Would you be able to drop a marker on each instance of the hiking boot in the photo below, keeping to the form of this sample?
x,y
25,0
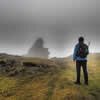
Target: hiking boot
x,y
86,83
78,83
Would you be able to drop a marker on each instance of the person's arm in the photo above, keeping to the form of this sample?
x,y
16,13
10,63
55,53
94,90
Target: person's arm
x,y
74,54
88,50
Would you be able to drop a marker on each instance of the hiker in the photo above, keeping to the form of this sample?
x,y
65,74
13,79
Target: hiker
x,y
80,57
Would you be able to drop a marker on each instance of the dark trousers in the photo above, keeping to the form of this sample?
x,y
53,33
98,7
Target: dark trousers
x,y
82,64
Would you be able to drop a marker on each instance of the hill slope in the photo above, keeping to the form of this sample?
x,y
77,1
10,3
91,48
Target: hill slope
x,y
55,83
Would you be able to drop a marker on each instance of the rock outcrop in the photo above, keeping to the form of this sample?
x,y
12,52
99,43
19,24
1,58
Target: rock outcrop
x,y
38,49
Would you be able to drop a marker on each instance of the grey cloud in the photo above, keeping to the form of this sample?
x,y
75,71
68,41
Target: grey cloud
x,y
59,22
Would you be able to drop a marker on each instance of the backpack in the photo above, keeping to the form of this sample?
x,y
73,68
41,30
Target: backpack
x,y
82,51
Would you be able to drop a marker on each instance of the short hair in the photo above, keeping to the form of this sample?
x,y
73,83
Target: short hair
x,y
81,39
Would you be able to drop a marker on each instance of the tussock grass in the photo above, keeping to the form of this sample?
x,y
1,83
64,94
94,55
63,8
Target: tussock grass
x,y
57,84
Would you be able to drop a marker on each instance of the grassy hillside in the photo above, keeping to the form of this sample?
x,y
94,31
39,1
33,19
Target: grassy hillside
x,y
53,81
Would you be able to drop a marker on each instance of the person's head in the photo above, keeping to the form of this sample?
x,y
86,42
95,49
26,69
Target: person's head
x,y
81,39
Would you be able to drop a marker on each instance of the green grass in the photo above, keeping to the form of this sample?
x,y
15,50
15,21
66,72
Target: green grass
x,y
57,85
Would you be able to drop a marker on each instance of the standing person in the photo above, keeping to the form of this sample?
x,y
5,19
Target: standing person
x,y
80,57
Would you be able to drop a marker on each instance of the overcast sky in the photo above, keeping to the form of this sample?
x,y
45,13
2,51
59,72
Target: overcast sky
x,y
58,22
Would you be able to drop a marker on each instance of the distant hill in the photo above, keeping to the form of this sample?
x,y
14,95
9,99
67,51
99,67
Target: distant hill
x,y
92,56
